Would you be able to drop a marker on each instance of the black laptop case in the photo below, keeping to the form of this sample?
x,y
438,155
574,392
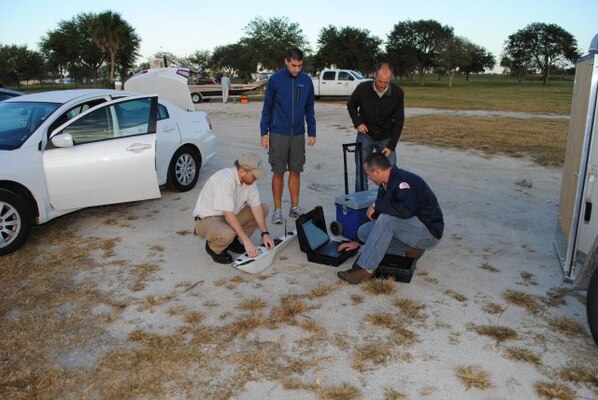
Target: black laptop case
x,y
314,240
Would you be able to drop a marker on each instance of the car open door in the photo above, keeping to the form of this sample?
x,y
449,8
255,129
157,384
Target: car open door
x,y
105,155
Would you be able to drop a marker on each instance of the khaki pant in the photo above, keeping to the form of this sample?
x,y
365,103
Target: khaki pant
x,y
218,232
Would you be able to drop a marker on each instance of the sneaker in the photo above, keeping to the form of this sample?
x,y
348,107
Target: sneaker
x,y
236,246
222,258
277,216
356,275
295,212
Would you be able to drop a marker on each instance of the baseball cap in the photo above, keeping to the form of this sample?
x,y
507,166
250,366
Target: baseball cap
x,y
254,163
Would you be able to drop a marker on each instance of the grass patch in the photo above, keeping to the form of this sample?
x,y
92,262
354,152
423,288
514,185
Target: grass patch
x,y
473,377
455,295
356,299
391,394
498,333
567,326
372,355
322,290
493,308
554,391
520,299
252,305
402,335
244,324
290,306
411,309
523,354
542,140
344,391
580,374
380,286
488,267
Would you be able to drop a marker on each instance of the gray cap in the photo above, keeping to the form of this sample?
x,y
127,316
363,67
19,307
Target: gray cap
x,y
254,163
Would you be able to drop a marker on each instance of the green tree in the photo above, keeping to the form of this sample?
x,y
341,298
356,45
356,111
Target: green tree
x,y
269,40
61,49
17,63
452,53
111,33
234,59
200,59
541,47
347,47
127,55
420,40
478,60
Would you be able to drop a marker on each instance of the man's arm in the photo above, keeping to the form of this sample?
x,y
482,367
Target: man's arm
x,y
353,106
267,109
310,113
398,116
258,214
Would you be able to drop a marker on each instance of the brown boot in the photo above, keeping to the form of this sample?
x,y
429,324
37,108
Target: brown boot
x,y
356,275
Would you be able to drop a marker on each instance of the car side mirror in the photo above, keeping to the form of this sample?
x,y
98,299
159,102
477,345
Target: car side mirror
x,y
63,140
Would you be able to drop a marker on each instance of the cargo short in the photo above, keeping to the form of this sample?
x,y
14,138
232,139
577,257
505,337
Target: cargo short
x,y
286,153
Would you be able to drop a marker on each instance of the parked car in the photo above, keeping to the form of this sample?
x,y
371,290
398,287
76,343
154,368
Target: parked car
x,y
65,150
7,93
337,82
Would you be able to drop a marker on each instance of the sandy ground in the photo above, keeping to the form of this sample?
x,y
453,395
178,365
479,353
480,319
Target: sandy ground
x,y
500,217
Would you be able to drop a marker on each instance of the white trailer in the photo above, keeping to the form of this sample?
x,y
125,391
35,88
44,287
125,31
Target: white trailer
x,y
576,237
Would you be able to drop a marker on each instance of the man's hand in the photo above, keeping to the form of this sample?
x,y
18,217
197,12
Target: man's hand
x,y
387,152
268,242
348,246
362,128
311,140
250,248
265,141
370,212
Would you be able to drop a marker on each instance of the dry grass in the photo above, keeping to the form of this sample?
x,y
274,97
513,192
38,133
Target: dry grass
x,y
343,391
524,355
290,306
253,305
488,267
391,394
542,140
580,374
567,326
402,335
411,309
380,286
370,355
244,324
493,308
455,295
498,333
356,299
473,377
322,290
554,391
520,299
528,278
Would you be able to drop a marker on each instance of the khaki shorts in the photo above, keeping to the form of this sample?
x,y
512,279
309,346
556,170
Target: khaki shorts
x,y
286,153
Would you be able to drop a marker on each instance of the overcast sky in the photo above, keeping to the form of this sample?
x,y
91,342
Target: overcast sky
x,y
182,27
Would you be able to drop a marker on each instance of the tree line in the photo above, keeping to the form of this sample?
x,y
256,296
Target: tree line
x,y
91,46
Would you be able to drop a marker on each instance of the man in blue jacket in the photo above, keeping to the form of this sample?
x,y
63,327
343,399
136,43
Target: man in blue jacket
x,y
405,219
288,105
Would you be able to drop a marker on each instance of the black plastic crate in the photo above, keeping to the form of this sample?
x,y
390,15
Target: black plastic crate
x,y
399,268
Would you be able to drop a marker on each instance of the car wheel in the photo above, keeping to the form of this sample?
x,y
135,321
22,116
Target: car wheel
x,y
184,169
15,221
592,296
196,97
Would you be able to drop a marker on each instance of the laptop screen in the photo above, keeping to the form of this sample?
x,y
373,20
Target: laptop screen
x,y
316,237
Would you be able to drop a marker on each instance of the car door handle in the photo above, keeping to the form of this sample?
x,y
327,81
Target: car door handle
x,y
169,129
138,147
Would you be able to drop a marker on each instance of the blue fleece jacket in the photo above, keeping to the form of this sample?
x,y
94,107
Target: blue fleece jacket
x,y
288,104
407,195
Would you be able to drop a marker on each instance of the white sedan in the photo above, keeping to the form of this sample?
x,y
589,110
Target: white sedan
x,y
64,150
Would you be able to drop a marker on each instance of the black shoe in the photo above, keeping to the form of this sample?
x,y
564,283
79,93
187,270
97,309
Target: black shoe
x,y
222,258
236,246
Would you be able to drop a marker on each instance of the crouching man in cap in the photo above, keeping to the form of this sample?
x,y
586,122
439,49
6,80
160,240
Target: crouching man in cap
x,y
229,210
405,220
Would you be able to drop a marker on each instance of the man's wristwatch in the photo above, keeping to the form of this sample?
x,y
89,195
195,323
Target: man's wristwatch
x,y
264,233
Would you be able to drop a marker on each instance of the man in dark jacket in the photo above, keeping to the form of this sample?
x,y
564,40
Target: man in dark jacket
x,y
288,105
378,113
405,219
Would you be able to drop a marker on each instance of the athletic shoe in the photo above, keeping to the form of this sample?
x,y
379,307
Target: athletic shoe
x,y
295,212
277,216
236,246
356,275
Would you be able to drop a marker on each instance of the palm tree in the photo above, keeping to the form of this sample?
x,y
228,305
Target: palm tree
x,y
110,32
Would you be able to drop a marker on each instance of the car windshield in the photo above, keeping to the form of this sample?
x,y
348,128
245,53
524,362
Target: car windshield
x,y
18,120
357,74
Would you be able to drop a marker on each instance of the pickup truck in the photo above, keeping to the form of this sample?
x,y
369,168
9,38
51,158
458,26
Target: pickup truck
x,y
576,236
337,82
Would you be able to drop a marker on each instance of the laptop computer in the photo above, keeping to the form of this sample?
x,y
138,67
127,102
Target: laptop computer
x,y
314,240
